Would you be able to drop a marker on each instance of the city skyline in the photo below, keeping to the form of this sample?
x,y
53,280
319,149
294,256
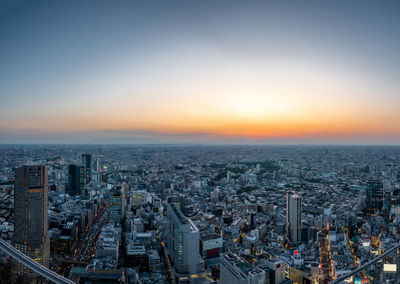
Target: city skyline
x,y
213,214
200,72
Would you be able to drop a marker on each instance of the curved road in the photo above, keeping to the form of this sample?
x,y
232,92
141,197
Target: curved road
x,y
361,268
33,265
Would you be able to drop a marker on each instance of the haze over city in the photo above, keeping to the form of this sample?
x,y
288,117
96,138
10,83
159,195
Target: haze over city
x,y
198,142
213,72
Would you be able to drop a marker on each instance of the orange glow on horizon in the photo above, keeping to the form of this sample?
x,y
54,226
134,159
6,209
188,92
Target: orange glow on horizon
x,y
288,128
244,108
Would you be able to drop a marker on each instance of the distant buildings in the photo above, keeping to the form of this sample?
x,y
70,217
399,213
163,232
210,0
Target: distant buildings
x,y
374,200
293,217
183,241
76,180
31,222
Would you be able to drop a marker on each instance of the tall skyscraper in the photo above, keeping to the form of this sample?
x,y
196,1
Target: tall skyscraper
x,y
30,205
87,164
293,216
117,197
183,239
374,200
76,180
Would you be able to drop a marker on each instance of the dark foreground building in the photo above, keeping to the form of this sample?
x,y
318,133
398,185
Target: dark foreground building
x,y
374,200
31,235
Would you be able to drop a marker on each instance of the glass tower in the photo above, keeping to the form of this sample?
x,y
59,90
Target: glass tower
x,y
374,200
76,179
87,164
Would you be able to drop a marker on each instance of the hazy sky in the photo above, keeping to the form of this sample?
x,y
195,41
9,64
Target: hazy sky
x,y
200,71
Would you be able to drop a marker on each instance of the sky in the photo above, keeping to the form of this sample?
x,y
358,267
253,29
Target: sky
x,y
212,72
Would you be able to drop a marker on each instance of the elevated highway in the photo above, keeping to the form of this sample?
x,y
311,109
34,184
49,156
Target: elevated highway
x,y
341,279
33,265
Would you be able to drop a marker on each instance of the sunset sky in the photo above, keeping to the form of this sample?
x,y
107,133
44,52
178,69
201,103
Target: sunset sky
x,y
263,72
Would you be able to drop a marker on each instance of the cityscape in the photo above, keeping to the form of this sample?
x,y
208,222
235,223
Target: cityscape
x,y
201,214
194,142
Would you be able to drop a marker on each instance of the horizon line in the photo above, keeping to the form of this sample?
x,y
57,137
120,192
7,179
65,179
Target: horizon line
x,y
199,144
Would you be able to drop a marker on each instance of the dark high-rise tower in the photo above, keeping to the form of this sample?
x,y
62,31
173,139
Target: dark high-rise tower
x,y
30,206
87,164
374,200
117,197
76,179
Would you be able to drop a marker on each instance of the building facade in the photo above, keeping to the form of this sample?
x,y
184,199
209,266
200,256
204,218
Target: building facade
x,y
235,270
117,198
76,180
183,239
374,194
293,217
31,223
87,164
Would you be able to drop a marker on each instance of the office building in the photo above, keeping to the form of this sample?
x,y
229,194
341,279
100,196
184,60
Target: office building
x,y
276,271
211,245
293,217
235,270
31,223
87,164
374,200
136,256
183,239
117,198
138,197
76,180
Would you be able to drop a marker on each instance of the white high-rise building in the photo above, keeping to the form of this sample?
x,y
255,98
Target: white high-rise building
x,y
293,217
183,239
